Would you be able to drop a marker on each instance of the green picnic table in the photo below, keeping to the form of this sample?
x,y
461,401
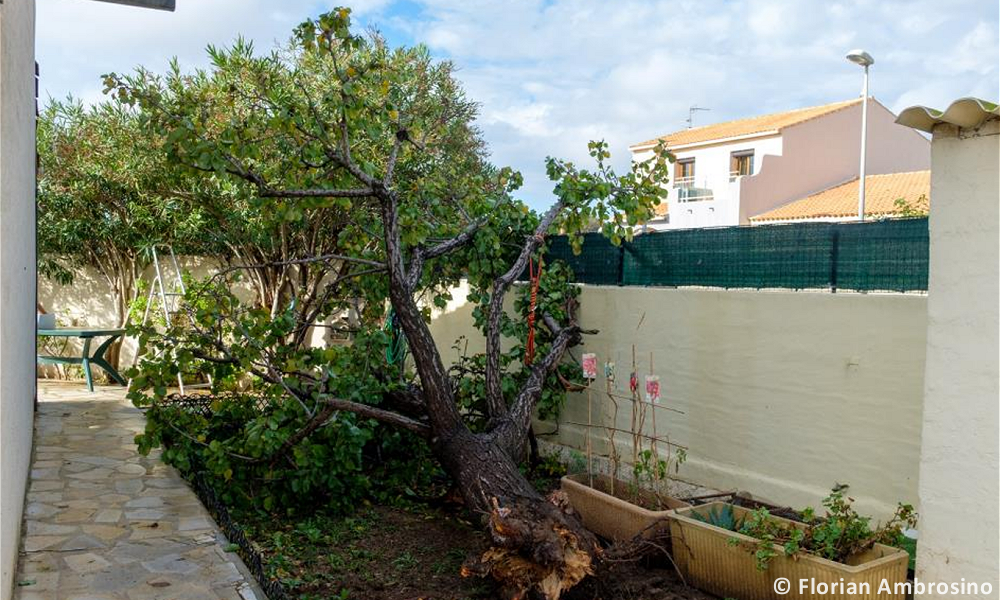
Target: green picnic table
x,y
86,359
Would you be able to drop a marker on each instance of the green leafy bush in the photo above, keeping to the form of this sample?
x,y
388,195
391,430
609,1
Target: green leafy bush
x,y
238,441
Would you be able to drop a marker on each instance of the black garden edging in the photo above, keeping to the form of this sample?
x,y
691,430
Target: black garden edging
x,y
252,558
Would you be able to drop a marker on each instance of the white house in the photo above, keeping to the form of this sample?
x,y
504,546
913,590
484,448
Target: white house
x,y
728,172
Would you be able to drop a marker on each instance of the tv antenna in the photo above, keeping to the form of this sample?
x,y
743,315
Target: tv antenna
x,y
691,111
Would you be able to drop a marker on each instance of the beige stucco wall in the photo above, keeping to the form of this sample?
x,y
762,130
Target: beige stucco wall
x,y
17,270
959,469
783,393
89,302
824,152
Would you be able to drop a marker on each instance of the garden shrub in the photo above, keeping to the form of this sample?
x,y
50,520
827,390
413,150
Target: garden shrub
x,y
236,438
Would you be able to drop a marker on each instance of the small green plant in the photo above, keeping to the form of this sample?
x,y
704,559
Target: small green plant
x,y
404,561
836,536
653,470
918,208
577,462
724,517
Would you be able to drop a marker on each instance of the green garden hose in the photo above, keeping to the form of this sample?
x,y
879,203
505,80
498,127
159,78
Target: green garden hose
x,y
397,350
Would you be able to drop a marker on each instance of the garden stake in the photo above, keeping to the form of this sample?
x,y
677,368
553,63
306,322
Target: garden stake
x,y
590,455
656,454
609,377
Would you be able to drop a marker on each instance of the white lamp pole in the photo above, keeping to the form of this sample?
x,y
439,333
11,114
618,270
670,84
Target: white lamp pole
x,y
860,57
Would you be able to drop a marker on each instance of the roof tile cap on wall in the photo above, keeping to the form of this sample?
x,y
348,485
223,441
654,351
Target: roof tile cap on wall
x,y
964,112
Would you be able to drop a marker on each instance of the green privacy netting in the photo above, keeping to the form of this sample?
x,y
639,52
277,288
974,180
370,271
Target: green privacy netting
x,y
889,255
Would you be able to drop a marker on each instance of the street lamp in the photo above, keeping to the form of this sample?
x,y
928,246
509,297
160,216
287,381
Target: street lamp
x,y
860,57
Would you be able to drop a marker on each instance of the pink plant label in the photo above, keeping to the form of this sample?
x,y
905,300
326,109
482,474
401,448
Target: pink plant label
x,y
590,366
652,388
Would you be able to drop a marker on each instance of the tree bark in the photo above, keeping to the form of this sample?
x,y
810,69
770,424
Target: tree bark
x,y
536,546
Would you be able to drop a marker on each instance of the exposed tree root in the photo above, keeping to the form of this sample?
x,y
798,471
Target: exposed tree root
x,y
536,548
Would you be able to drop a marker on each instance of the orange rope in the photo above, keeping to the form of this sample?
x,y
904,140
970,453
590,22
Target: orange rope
x,y
535,276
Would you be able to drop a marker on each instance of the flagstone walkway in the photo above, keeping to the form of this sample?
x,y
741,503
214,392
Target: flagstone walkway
x,y
104,523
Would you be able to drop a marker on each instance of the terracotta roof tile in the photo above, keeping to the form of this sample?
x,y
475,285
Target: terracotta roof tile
x,y
749,126
881,193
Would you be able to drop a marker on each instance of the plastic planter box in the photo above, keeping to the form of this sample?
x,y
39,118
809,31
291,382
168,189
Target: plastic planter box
x,y
709,562
612,517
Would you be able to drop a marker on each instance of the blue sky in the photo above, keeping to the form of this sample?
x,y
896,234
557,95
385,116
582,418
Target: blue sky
x,y
551,75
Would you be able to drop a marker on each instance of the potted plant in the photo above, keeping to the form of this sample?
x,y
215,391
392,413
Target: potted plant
x,y
731,551
620,510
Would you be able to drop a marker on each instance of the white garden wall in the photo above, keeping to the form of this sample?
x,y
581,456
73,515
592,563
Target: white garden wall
x,y
784,393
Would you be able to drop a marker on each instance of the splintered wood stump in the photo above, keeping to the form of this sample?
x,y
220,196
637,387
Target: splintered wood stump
x,y
535,544
535,547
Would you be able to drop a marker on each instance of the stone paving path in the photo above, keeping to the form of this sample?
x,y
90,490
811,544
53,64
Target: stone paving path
x,y
104,523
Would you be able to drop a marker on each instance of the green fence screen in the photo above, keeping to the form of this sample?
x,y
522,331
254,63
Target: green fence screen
x,y
889,255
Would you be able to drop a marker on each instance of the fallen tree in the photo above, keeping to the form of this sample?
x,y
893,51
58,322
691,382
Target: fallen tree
x,y
388,136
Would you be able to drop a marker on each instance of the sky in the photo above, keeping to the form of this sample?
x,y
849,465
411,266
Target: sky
x,y
550,75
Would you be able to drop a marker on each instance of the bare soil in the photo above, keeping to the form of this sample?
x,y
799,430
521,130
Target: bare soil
x,y
383,553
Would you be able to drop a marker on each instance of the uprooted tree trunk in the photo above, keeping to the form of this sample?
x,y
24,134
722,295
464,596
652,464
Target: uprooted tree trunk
x,y
536,545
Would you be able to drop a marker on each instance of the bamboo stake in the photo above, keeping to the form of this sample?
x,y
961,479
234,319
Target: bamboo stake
x,y
590,455
612,449
635,409
656,453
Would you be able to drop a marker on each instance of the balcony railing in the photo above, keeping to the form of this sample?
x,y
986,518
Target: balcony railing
x,y
686,191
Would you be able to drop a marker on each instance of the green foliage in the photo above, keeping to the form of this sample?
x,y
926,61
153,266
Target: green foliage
x,y
105,195
305,143
235,439
654,469
918,208
724,517
838,535
556,296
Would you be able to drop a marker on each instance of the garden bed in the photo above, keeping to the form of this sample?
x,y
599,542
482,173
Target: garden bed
x,y
385,553
723,562
379,553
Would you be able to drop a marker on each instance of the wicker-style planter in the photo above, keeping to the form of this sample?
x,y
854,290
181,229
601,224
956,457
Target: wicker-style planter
x,y
708,561
611,516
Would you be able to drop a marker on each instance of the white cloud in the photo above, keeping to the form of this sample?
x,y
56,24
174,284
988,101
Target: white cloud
x,y
553,74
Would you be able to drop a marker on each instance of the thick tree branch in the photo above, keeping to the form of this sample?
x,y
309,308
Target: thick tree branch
x,y
494,393
441,408
420,255
384,416
512,429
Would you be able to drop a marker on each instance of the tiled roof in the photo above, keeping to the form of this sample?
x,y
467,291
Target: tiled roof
x,y
749,126
881,193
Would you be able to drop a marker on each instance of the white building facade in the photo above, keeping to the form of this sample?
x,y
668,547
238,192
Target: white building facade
x,y
728,172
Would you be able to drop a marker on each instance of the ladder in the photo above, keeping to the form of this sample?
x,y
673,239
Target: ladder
x,y
169,302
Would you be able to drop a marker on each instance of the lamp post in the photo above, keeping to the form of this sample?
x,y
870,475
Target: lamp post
x,y
860,57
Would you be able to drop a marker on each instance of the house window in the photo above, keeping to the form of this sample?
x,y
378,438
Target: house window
x,y
740,163
684,171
